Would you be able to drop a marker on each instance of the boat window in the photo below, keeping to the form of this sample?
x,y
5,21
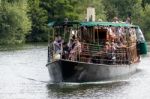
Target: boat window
x,y
100,35
93,35
140,36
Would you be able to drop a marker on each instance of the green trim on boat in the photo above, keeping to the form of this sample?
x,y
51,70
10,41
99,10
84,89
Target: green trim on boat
x,y
106,24
89,24
142,48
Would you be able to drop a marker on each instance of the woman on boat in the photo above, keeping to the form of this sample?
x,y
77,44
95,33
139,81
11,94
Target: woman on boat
x,y
75,51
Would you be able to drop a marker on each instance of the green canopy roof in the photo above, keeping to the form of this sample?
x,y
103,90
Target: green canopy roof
x,y
106,24
89,24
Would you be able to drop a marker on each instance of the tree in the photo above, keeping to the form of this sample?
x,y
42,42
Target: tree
x,y
39,18
123,9
145,22
14,22
59,9
145,2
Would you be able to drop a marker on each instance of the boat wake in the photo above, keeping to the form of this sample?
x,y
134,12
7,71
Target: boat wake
x,y
67,84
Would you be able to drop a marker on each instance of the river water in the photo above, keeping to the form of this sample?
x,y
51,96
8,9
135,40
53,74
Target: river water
x,y
23,75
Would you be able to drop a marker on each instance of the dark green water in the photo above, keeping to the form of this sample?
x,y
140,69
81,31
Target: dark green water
x,y
23,75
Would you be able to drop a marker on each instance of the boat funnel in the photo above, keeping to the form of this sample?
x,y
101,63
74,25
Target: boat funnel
x,y
90,14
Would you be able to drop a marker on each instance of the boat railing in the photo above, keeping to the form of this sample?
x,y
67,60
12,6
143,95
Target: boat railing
x,y
94,53
50,52
100,57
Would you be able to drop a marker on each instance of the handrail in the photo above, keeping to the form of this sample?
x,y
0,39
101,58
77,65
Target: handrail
x,y
93,53
50,52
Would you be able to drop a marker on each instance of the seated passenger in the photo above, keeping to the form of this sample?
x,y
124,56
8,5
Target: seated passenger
x,y
101,56
110,52
107,54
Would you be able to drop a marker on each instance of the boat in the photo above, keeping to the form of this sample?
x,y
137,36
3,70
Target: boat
x,y
93,50
104,50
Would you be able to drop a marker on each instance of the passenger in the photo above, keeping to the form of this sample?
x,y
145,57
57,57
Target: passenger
x,y
60,40
107,47
111,34
120,31
102,55
123,41
65,53
116,20
128,20
105,52
111,53
85,46
57,45
76,50
70,44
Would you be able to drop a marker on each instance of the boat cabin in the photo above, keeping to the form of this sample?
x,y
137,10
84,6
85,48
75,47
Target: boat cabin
x,y
94,42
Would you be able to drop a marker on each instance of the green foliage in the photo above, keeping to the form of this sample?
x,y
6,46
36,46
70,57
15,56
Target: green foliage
x,y
39,18
110,8
60,9
145,22
14,23
145,2
131,8
122,9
